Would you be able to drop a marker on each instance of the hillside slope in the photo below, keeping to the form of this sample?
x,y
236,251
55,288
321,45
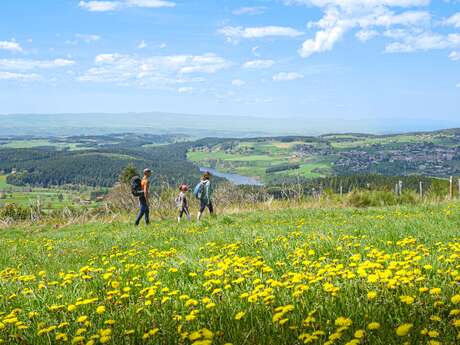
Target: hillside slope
x,y
295,276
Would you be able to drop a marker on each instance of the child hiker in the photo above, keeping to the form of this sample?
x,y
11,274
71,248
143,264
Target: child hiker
x,y
182,203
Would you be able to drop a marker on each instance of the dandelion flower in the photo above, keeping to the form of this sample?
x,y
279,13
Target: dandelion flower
x,y
403,329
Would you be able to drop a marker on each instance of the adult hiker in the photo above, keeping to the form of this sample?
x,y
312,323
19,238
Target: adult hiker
x,y
143,194
203,192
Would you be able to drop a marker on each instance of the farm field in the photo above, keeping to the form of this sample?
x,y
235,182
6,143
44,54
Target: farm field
x,y
49,198
310,276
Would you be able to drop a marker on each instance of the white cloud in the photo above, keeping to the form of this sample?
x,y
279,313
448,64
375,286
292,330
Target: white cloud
x,y
142,45
366,35
255,51
258,64
255,10
99,6
106,6
163,45
287,76
185,89
88,37
359,3
458,85
236,33
423,42
453,20
173,69
454,56
26,65
10,46
238,82
19,76
342,16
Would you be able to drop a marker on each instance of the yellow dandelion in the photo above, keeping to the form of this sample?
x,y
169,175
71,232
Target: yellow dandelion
x,y
240,315
403,329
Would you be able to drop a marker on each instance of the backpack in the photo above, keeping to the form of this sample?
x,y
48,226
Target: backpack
x,y
136,186
198,191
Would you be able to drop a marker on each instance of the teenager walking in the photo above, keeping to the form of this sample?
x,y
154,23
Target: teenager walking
x,y
144,210
203,192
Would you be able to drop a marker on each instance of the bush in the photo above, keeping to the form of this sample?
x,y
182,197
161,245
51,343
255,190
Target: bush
x,y
361,198
15,212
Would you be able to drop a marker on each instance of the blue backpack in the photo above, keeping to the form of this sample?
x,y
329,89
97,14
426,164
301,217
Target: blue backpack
x,y
198,190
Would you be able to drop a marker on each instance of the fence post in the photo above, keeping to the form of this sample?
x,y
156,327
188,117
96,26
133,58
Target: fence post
x,y
341,190
421,189
451,187
400,187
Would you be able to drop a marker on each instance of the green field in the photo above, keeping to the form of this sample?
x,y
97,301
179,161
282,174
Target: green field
x,y
3,183
49,198
27,144
310,276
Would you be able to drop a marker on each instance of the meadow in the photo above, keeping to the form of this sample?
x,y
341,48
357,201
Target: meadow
x,y
293,276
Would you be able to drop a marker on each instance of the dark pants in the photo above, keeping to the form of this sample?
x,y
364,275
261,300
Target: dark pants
x,y
183,210
143,211
204,204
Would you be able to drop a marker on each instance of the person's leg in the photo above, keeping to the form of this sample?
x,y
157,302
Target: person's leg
x,y
211,208
202,207
181,212
187,213
141,212
147,214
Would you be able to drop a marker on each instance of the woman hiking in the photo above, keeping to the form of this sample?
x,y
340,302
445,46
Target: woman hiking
x,y
203,192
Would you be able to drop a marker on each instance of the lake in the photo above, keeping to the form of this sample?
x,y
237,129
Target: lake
x,y
234,178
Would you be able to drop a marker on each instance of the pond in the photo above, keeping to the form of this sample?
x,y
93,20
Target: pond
x,y
234,178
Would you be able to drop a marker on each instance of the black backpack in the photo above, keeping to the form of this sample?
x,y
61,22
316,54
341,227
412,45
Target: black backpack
x,y
136,187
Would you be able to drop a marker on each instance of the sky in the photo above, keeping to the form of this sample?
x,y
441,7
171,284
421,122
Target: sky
x,y
388,63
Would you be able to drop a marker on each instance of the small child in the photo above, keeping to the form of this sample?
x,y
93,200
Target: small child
x,y
182,203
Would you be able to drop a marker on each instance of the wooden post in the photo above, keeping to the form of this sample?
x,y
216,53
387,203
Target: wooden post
x,y
421,189
451,187
396,189
341,190
400,187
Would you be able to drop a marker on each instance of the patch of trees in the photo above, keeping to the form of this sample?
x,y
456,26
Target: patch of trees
x,y
47,167
282,167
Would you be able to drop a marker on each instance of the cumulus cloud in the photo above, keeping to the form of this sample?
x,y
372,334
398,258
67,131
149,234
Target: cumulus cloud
x,y
258,64
287,76
19,76
236,33
369,17
454,56
142,45
238,82
10,46
173,69
453,20
107,6
255,10
26,65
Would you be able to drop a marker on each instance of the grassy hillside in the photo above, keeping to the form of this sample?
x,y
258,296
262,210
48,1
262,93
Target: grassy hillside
x,y
377,276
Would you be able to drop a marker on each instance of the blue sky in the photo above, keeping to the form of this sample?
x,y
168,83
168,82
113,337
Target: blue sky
x,y
362,61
